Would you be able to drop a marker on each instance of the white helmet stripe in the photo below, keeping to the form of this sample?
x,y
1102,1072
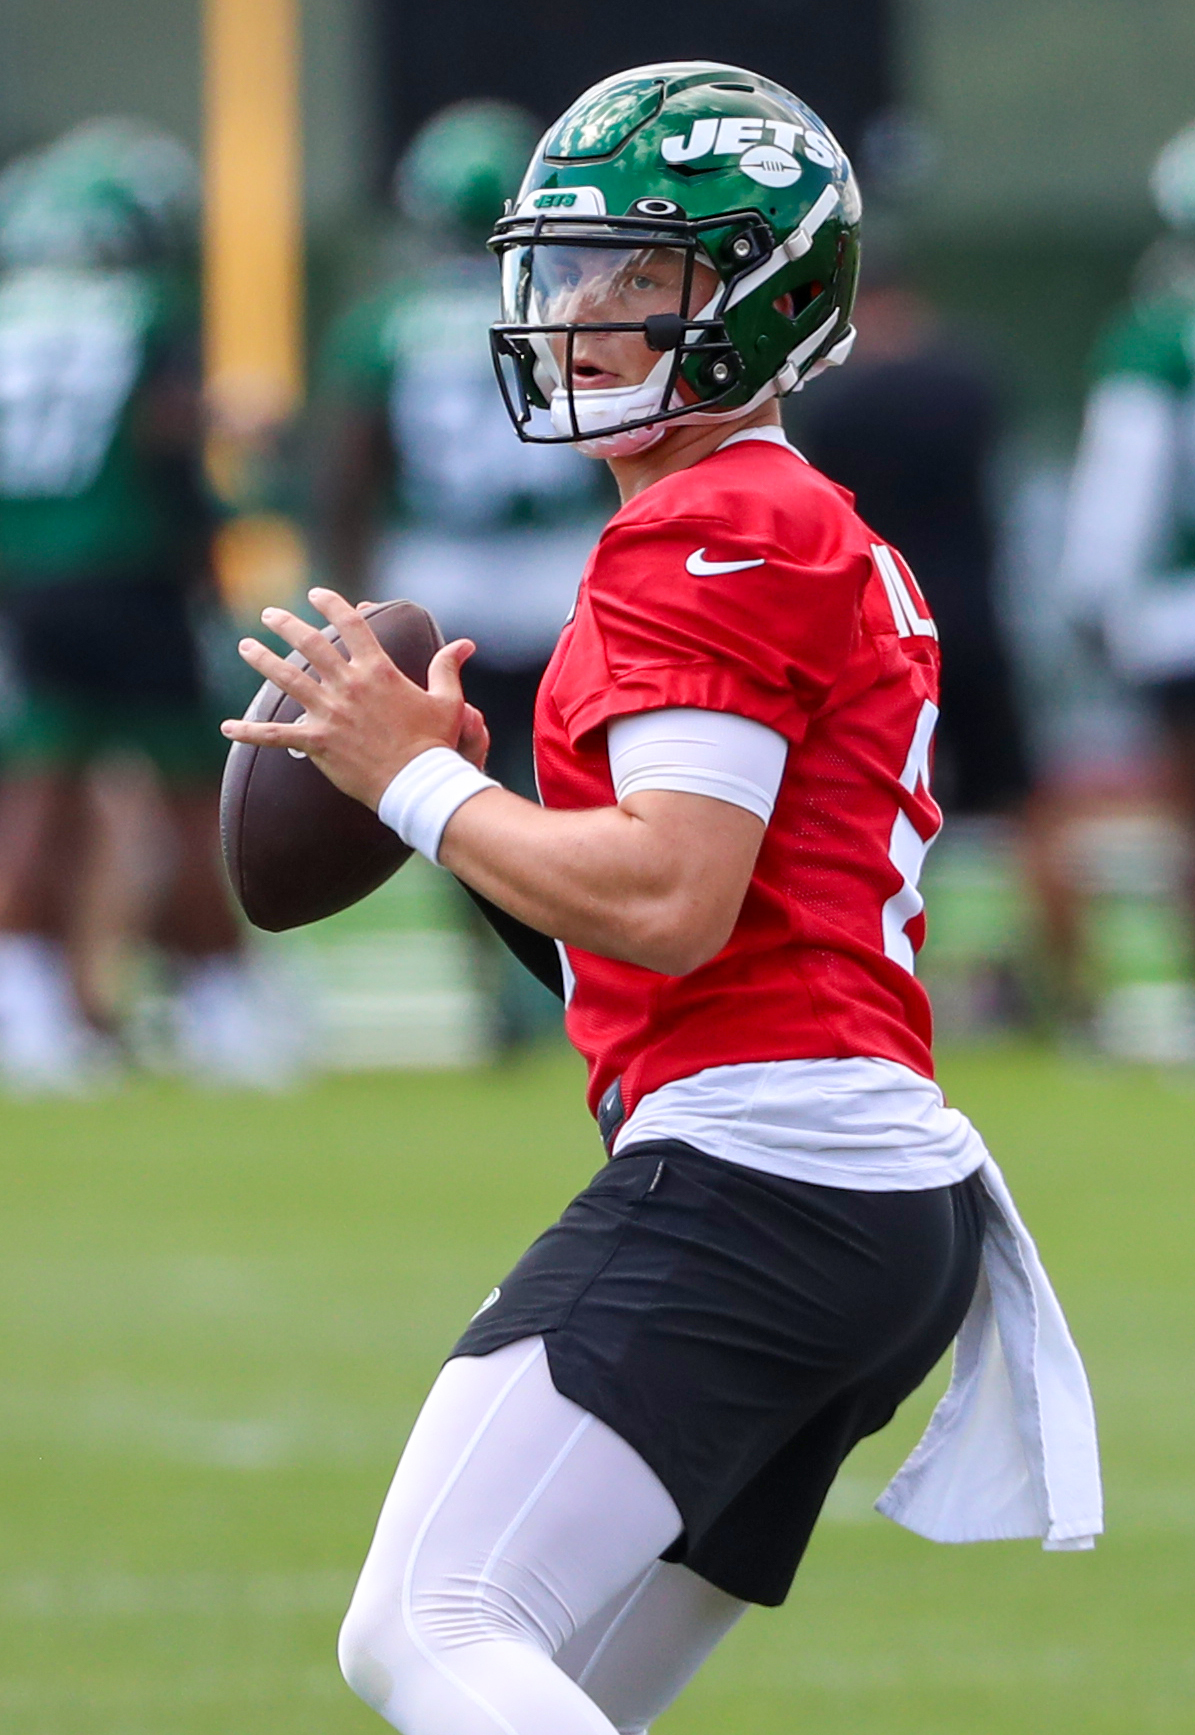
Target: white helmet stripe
x,y
810,345
797,245
789,378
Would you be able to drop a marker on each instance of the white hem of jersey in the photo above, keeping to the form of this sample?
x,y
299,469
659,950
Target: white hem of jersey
x,y
869,1125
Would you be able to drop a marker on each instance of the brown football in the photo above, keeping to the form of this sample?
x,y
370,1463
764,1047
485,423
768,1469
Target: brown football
x,y
296,847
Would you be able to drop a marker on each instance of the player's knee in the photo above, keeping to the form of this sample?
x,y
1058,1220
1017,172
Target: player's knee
x,y
384,1649
367,1661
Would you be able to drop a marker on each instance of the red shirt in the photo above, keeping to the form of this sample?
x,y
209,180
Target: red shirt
x,y
816,629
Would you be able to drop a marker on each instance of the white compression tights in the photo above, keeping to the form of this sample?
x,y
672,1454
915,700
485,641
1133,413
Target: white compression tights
x,y
513,1585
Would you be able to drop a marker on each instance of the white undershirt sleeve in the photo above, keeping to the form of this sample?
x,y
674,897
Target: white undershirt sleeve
x,y
698,753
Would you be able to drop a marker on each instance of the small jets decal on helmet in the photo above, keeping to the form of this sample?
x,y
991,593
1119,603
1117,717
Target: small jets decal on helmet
x,y
569,201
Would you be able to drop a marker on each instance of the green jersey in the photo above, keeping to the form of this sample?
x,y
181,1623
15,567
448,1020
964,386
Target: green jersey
x,y
489,533
1153,343
80,493
1128,558
419,354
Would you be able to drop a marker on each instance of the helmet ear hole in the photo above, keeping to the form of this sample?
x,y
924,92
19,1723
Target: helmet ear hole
x,y
794,301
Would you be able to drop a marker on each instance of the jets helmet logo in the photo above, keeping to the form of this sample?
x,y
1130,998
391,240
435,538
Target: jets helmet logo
x,y
772,163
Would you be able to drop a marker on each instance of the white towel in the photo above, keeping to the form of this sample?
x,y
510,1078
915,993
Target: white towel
x,y
1011,1450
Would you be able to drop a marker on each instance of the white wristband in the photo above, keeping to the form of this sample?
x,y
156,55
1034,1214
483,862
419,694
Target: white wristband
x,y
420,801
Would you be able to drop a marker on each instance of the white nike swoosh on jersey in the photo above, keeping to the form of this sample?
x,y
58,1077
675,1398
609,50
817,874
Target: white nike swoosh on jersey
x,y
700,567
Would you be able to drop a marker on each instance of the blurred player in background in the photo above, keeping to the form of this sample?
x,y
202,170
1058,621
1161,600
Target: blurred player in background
x,y
911,428
104,577
1128,565
420,490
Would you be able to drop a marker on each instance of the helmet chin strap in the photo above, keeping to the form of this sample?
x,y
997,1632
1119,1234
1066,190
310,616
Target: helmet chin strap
x,y
624,444
607,406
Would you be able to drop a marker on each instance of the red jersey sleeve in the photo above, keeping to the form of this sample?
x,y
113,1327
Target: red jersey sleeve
x,y
695,611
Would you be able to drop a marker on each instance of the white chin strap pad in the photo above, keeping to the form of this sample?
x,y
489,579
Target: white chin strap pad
x,y
608,406
623,444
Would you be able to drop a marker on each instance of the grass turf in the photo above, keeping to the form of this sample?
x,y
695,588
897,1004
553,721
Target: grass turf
x,y
218,1315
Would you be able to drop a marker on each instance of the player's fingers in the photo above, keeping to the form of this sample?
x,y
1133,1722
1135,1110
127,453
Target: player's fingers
x,y
474,742
293,680
444,670
292,735
301,636
356,633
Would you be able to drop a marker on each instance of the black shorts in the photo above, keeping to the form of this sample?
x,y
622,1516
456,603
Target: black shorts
x,y
106,638
107,664
742,1333
506,699
981,764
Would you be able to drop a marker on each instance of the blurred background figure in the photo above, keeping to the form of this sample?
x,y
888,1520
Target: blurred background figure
x,y
1128,587
420,489
110,756
912,428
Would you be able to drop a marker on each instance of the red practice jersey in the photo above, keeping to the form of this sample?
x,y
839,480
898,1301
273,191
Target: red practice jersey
x,y
748,584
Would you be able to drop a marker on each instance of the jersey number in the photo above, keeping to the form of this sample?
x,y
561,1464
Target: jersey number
x,y
63,386
907,849
909,612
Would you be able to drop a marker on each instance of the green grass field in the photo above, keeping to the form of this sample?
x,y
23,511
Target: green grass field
x,y
220,1313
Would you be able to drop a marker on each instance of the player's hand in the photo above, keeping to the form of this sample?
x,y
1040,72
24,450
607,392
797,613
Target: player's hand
x,y
363,720
474,743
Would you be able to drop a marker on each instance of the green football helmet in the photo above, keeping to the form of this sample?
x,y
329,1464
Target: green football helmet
x,y
108,193
707,193
153,168
52,221
463,165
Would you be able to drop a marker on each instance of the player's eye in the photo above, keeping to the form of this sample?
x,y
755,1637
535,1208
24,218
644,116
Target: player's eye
x,y
560,276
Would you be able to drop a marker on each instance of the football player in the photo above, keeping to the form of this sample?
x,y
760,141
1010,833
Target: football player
x,y
633,1438
1128,567
104,578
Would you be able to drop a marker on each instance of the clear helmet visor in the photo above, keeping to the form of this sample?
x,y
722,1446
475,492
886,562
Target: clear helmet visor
x,y
570,283
584,309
